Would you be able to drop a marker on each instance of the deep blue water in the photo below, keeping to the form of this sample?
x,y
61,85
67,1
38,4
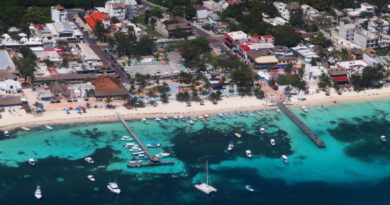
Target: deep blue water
x,y
354,167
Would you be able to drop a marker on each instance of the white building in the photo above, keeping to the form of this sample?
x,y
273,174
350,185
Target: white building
x,y
366,39
214,6
116,8
202,12
347,31
365,7
89,57
6,63
376,24
58,14
282,9
352,67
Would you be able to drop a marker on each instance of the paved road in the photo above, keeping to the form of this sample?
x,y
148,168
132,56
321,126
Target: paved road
x,y
107,60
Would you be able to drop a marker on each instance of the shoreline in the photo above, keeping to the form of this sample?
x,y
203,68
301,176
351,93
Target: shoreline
x,y
226,105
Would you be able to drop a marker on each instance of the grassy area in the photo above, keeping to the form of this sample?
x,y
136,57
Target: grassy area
x,y
153,32
382,51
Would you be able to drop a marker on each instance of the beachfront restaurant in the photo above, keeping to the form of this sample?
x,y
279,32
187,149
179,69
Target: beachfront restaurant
x,y
10,103
109,87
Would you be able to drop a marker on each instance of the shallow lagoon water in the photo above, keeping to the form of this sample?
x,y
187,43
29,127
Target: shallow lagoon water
x,y
353,168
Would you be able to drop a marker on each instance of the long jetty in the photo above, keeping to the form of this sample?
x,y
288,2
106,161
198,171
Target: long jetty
x,y
153,158
301,125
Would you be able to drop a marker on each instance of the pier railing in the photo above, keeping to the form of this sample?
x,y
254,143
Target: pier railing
x,y
301,125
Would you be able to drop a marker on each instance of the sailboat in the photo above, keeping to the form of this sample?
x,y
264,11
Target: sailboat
x,y
206,187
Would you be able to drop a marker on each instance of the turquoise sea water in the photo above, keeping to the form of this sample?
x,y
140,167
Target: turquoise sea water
x,y
353,168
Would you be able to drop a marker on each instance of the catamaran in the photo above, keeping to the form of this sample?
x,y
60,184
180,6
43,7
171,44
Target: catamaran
x,y
31,161
206,187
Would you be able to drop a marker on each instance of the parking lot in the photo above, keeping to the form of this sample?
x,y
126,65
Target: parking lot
x,y
161,69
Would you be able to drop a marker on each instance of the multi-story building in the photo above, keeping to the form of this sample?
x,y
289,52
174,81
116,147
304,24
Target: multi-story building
x,y
376,24
347,31
235,38
58,14
366,39
282,9
116,9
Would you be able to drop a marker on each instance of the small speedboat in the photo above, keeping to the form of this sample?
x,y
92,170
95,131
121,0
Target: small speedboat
x,y
278,111
249,188
113,187
165,118
304,108
31,161
91,178
157,119
126,138
153,145
25,128
272,141
6,133
135,149
383,138
144,120
89,160
206,117
176,118
138,153
130,144
248,153
38,192
237,135
164,154
285,159
230,146
262,130
48,127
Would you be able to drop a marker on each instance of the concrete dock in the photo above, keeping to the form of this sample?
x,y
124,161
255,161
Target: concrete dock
x,y
301,125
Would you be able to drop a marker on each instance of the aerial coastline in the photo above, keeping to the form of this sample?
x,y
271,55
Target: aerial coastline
x,y
174,108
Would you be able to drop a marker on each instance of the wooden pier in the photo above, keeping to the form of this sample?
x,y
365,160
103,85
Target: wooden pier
x,y
152,157
301,125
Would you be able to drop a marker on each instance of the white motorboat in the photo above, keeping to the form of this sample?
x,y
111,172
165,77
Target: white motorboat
x,y
144,120
91,178
248,153
205,187
31,161
304,108
278,111
262,130
176,118
137,153
113,187
190,121
48,127
230,146
6,133
272,141
157,119
206,117
285,158
25,128
153,145
182,118
237,135
130,144
165,118
135,149
38,192
126,138
383,138
164,154
249,188
89,160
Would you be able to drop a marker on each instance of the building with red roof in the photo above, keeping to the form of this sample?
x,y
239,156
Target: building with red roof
x,y
93,18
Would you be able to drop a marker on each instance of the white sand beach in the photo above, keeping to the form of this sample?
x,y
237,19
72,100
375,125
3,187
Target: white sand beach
x,y
11,121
